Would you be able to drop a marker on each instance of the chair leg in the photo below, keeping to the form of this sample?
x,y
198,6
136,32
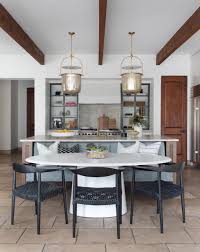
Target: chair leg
x,y
157,210
38,216
161,215
13,209
120,198
160,202
183,206
132,196
39,203
35,207
76,213
118,220
74,219
120,211
64,197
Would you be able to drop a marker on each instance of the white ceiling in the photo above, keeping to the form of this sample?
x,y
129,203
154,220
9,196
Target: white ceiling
x,y
48,21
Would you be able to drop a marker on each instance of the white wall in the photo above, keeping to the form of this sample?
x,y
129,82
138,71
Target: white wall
x,y
23,66
14,114
5,118
22,108
195,69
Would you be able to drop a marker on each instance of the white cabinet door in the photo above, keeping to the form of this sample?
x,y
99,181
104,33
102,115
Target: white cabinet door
x,y
100,91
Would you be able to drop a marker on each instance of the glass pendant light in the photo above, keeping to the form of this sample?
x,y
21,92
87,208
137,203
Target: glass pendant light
x,y
71,70
131,71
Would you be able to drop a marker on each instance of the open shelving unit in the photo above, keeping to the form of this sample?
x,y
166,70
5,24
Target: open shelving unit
x,y
136,104
64,109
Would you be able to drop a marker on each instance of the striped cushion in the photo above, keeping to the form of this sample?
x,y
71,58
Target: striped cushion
x,y
150,148
64,148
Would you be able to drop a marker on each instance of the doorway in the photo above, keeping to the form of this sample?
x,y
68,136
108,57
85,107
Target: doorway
x,y
174,111
30,112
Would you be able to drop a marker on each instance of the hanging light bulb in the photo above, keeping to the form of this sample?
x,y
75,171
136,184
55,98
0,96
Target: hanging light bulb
x,y
71,70
131,71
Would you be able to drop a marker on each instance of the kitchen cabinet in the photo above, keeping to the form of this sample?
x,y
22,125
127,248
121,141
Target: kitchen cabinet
x,y
64,109
136,104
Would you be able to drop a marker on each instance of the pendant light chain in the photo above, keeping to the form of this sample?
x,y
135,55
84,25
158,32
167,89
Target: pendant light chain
x,y
71,53
131,46
71,70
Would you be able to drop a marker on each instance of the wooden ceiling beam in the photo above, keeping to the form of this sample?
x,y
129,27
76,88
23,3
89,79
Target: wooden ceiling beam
x,y
190,27
14,30
102,26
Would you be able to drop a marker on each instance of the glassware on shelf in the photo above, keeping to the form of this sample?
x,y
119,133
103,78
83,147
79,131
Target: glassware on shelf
x,y
70,104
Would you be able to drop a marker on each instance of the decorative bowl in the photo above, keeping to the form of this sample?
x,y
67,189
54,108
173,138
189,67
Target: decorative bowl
x,y
96,154
132,133
63,133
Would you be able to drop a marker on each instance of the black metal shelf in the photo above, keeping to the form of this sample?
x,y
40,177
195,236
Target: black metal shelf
x,y
136,98
55,87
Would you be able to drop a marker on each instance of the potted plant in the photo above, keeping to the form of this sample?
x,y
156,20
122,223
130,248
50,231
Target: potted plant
x,y
98,152
137,122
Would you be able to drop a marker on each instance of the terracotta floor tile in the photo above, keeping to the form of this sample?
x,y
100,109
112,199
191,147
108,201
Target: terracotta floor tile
x,y
136,248
153,236
81,222
194,234
170,222
192,207
30,222
139,221
90,236
5,211
3,220
10,235
24,211
7,202
74,248
183,248
21,248
54,236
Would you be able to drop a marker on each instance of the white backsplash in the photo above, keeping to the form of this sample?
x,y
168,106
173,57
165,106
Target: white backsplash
x,y
89,114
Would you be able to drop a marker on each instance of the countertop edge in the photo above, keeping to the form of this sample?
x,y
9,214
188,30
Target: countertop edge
x,y
81,139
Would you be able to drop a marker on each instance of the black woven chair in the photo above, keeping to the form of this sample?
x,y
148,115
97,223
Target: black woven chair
x,y
160,189
37,190
97,196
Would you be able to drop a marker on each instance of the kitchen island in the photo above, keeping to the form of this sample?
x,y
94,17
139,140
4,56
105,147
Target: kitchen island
x,y
170,144
168,148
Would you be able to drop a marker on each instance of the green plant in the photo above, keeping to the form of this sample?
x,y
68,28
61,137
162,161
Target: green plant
x,y
137,120
96,148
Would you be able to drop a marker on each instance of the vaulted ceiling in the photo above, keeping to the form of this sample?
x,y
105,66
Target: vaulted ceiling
x,y
47,22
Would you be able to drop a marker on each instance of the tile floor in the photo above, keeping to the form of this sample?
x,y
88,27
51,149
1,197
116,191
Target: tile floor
x,y
99,235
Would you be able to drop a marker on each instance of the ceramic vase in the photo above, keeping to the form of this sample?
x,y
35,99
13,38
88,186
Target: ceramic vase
x,y
138,128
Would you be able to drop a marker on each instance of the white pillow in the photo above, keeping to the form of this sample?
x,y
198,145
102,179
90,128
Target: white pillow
x,y
130,149
149,148
43,150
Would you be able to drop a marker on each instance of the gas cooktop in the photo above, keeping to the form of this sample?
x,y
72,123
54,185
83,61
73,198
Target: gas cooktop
x,y
103,132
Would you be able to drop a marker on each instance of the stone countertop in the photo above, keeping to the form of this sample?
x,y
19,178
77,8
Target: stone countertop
x,y
109,139
113,159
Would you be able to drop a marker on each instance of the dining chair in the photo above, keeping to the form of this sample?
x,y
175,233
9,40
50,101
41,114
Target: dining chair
x,y
160,189
97,196
37,190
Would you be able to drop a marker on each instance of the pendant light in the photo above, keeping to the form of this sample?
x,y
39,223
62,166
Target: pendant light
x,y
71,70
131,71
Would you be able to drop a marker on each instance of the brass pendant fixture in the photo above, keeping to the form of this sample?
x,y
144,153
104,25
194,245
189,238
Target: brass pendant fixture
x,y
71,70
131,71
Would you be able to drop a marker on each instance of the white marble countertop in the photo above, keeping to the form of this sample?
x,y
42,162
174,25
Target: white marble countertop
x,y
108,139
113,160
